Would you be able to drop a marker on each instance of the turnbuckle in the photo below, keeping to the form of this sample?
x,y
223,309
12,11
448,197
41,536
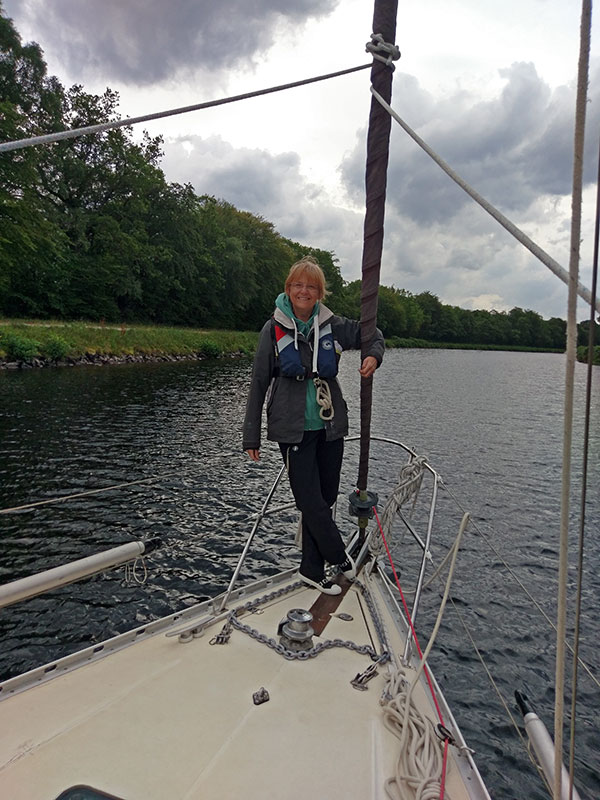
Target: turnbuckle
x,y
223,636
361,680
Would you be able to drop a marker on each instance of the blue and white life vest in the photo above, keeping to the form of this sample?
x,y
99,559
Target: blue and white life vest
x,y
290,366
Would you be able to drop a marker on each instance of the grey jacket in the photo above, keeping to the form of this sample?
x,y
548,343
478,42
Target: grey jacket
x,y
287,396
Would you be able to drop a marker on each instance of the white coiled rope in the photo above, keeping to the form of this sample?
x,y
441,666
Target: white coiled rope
x,y
324,400
420,760
406,489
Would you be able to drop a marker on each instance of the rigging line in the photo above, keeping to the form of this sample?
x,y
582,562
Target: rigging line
x,y
563,562
77,495
121,123
491,679
518,234
584,479
409,619
521,585
493,683
88,492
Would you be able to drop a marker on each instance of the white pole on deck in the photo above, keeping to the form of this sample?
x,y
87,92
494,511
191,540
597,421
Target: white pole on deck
x,y
33,585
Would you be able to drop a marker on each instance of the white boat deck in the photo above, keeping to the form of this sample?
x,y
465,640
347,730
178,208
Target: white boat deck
x,y
165,720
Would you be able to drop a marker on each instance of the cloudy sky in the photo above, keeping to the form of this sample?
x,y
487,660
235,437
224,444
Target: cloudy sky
x,y
489,85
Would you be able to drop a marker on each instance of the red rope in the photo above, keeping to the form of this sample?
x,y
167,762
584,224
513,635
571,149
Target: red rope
x,y
425,668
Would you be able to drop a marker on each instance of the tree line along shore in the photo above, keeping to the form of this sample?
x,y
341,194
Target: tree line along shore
x,y
26,343
91,230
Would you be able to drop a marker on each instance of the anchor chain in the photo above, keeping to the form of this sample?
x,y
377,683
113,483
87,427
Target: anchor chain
x,y
290,655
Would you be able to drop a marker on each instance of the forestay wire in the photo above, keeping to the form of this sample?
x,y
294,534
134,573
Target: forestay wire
x,y
518,234
72,133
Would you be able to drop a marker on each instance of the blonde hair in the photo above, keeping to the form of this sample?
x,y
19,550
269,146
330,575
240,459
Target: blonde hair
x,y
309,266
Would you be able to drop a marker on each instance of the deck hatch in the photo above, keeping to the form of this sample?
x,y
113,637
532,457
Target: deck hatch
x,y
86,793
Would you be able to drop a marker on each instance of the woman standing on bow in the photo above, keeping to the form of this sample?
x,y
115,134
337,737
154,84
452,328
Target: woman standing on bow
x,y
296,366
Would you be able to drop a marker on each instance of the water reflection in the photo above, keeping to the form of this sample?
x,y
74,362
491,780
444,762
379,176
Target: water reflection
x,y
491,423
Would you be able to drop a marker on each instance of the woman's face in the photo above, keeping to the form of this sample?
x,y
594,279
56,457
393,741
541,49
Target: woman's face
x,y
303,294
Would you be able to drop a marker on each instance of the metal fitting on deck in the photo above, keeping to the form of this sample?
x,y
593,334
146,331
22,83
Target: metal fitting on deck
x,y
362,503
295,631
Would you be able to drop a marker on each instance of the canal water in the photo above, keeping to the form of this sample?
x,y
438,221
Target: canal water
x,y
168,437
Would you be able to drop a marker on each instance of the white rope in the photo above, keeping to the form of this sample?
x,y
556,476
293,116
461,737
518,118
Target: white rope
x,y
407,488
378,45
324,400
131,572
419,765
323,392
563,565
420,761
518,234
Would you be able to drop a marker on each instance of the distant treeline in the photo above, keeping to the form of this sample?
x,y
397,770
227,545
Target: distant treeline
x,y
90,229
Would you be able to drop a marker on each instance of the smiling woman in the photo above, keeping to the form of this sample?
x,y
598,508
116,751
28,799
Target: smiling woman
x,y
304,295
296,364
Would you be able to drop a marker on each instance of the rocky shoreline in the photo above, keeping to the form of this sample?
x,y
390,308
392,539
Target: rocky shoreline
x,y
102,360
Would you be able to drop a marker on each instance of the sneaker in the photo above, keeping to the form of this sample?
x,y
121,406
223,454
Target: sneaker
x,y
323,585
347,568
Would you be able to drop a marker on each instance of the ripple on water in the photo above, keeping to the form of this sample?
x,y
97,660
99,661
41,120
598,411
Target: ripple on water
x,y
489,422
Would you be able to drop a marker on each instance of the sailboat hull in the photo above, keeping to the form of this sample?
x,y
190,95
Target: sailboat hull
x,y
174,716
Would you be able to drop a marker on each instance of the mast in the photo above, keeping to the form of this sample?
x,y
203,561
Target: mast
x,y
378,139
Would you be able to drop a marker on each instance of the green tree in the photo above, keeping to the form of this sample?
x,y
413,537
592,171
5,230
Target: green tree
x,y
32,248
432,309
583,332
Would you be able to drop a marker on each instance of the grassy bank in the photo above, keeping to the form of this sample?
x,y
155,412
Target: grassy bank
x,y
46,342
397,341
55,341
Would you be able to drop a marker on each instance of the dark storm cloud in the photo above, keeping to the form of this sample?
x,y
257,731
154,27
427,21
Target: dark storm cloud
x,y
142,42
270,186
512,149
253,180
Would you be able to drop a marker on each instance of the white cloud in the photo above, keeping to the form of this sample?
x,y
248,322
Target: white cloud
x,y
268,185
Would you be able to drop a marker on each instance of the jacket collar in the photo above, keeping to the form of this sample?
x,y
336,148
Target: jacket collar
x,y
324,316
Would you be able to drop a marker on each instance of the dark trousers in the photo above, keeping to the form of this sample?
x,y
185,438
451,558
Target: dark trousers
x,y
314,467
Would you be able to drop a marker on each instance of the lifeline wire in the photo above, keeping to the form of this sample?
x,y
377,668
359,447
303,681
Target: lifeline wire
x,y
422,665
522,237
122,123
88,492
519,583
524,742
452,552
